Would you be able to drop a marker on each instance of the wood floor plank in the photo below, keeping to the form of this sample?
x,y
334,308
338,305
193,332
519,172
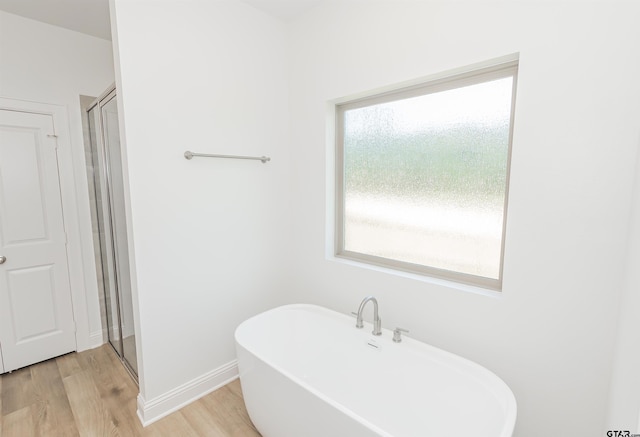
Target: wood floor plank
x,y
53,417
229,412
202,421
91,416
90,394
51,410
18,423
17,390
120,400
46,379
235,386
68,365
173,425
109,375
126,417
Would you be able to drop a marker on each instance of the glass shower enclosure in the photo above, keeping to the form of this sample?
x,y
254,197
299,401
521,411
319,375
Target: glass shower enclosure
x,y
110,231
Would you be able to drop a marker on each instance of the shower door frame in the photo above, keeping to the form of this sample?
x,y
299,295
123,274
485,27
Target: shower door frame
x,y
102,178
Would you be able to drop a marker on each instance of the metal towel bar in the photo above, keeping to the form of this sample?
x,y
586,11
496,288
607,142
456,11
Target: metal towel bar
x,y
189,155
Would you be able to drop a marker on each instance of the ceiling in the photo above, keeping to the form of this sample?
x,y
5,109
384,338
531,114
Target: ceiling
x,y
91,17
86,16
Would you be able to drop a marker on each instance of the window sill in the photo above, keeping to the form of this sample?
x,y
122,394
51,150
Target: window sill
x,y
468,288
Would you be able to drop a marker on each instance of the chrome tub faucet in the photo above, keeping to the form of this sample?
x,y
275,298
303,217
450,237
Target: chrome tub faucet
x,y
377,323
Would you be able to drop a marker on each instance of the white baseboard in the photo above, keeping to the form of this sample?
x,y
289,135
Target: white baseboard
x,y
91,341
154,409
96,339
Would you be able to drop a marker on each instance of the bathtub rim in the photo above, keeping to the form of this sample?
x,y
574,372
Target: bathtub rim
x,y
510,407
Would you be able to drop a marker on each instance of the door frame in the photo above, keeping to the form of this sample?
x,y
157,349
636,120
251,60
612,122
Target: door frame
x,y
70,210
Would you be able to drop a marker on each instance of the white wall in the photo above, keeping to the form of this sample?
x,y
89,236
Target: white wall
x,y
217,241
550,334
48,64
208,235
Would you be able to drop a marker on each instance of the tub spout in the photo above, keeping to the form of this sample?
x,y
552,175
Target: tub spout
x,y
377,323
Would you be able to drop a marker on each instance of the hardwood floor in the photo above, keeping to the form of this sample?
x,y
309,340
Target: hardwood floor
x,y
91,394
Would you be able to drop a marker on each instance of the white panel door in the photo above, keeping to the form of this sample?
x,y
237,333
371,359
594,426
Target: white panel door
x,y
36,314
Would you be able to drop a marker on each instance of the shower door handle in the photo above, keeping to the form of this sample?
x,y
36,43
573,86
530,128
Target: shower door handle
x,y
2,259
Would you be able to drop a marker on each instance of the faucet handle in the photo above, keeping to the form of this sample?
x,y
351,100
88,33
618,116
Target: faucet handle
x,y
397,334
359,323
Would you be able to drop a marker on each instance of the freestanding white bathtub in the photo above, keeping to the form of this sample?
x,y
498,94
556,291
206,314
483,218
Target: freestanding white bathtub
x,y
306,371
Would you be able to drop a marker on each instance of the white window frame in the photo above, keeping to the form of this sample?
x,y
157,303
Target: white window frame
x,y
470,76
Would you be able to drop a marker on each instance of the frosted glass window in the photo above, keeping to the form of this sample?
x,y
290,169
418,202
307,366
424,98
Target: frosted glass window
x,y
424,176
